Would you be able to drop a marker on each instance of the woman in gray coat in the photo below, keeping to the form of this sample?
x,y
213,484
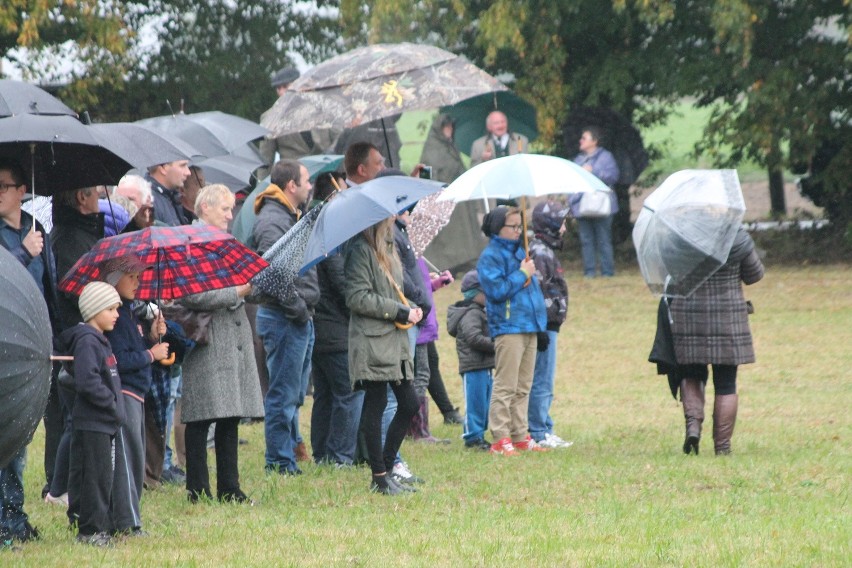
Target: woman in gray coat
x,y
710,327
220,378
379,353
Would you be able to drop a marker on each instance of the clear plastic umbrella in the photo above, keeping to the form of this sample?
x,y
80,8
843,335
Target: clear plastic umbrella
x,y
686,228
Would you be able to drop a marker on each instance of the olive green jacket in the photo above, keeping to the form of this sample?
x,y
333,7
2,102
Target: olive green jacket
x,y
378,350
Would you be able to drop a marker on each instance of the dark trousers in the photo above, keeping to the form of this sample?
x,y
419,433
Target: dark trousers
x,y
155,447
90,481
375,400
62,461
724,376
337,409
54,425
226,440
437,390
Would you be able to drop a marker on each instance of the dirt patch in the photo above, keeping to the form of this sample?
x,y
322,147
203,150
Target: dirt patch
x,y
756,196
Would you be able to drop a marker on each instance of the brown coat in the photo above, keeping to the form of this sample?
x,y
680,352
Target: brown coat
x,y
711,326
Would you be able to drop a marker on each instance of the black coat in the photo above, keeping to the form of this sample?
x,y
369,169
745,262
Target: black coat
x,y
466,321
331,319
414,287
73,235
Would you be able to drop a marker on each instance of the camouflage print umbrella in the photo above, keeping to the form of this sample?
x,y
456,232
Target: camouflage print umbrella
x,y
373,82
25,347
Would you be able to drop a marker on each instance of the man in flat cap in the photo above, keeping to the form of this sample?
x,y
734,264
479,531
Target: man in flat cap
x,y
297,144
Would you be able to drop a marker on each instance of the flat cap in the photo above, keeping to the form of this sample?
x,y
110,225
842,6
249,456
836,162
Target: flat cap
x,y
284,76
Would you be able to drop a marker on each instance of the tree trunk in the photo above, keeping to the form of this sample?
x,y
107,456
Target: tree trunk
x,y
776,192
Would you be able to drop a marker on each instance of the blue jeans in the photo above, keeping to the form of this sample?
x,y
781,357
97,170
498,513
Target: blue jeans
x,y
175,388
596,242
541,392
337,409
288,348
477,401
12,515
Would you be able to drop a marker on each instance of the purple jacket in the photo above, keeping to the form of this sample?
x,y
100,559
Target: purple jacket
x,y
604,167
429,330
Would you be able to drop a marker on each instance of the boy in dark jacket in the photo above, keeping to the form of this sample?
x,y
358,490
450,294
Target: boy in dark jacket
x,y
466,321
548,221
96,413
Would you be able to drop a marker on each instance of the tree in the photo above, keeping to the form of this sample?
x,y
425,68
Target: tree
x,y
39,35
220,54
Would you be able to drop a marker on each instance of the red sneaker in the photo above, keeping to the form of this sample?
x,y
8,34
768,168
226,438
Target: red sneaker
x,y
504,447
529,445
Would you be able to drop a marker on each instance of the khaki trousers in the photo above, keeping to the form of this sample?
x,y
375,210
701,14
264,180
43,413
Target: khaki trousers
x,y
513,376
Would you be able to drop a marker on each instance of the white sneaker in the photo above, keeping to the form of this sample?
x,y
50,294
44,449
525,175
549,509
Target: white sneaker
x,y
402,473
554,441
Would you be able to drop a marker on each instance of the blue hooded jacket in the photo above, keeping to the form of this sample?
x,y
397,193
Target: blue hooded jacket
x,y
511,307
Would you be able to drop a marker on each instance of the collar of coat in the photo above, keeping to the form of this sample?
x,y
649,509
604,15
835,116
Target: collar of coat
x,y
275,193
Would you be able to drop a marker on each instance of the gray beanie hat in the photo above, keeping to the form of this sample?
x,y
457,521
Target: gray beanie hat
x,y
96,297
284,76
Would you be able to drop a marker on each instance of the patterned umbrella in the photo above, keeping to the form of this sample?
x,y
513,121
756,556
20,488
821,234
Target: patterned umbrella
x,y
427,220
373,82
285,257
187,259
25,346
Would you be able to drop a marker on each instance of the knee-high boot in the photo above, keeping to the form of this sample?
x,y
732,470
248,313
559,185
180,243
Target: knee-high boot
x,y
421,420
692,397
724,418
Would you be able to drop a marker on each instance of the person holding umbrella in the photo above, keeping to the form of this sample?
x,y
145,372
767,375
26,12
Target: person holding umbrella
x,y
517,318
29,243
596,232
379,353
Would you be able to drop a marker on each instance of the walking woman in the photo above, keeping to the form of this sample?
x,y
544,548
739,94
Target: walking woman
x,y
710,327
379,353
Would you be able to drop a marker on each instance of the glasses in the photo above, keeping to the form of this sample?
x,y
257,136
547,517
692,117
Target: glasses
x,y
4,187
516,228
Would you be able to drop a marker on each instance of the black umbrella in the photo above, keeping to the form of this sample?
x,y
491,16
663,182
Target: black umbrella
x,y
25,348
17,97
618,135
140,145
59,152
213,133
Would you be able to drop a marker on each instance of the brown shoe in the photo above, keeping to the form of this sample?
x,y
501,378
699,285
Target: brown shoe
x,y
301,452
724,418
692,397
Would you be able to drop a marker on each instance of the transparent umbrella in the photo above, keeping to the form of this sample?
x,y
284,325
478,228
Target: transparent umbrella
x,y
686,228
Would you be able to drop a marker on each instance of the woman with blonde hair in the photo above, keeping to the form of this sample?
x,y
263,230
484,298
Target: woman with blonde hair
x,y
379,353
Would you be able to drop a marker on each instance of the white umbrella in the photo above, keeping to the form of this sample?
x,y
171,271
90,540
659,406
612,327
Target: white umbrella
x,y
686,228
522,175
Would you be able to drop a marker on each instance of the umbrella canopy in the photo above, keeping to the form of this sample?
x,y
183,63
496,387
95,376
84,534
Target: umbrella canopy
x,y
213,133
427,220
686,228
618,135
62,151
373,82
141,146
233,171
284,258
353,210
17,97
469,117
25,348
521,175
244,221
186,260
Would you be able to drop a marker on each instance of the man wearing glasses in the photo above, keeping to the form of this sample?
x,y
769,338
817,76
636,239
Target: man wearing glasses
x,y
31,247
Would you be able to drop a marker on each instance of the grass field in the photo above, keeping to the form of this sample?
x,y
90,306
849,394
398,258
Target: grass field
x,y
623,495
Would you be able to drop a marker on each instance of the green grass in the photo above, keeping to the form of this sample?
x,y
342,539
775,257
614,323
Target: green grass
x,y
623,495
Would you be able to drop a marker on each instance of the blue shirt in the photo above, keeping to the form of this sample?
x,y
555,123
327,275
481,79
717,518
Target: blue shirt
x,y
13,241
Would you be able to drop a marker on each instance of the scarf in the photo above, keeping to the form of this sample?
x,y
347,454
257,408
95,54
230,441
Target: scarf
x,y
275,193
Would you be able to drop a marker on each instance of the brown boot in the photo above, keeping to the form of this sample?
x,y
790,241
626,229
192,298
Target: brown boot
x,y
724,418
424,435
301,452
692,397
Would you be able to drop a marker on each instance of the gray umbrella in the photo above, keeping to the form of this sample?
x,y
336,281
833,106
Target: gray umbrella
x,y
17,97
213,133
142,146
285,257
25,348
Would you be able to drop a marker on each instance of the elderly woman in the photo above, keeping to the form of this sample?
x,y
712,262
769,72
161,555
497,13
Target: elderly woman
x,y
219,378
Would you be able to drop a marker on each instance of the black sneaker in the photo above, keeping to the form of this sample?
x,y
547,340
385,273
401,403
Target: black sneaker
x,y
381,484
453,417
174,475
478,444
27,534
97,539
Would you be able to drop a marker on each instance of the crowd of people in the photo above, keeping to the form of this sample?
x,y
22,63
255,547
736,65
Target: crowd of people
x,y
360,330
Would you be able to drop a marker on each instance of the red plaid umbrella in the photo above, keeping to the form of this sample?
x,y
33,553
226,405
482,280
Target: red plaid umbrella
x,y
186,260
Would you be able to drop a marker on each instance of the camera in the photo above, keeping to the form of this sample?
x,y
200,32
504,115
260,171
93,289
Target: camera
x,y
426,172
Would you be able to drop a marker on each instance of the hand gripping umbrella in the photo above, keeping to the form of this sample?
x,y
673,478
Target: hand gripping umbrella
x,y
25,348
686,228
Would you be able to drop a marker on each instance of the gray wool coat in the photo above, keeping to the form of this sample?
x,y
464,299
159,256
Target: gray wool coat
x,y
711,325
220,379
